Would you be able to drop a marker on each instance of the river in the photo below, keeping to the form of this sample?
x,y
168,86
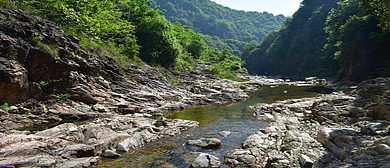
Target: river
x,y
236,118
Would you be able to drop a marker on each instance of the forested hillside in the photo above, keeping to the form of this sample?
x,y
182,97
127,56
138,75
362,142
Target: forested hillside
x,y
130,30
224,28
296,49
324,37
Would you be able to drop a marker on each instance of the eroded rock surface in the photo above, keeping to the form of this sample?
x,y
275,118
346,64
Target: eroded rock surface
x,y
335,130
70,142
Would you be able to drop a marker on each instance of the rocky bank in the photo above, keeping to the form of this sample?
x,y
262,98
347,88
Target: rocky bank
x,y
349,128
67,106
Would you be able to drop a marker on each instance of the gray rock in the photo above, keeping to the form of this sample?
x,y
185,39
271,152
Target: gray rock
x,y
225,133
80,162
208,143
253,140
240,158
377,128
382,149
111,154
79,150
305,161
204,160
14,81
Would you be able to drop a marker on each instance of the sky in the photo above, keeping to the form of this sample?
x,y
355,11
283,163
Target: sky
x,y
285,7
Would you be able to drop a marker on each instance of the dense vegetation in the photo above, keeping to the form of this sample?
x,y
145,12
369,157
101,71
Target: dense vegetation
x,y
295,50
324,37
224,28
129,30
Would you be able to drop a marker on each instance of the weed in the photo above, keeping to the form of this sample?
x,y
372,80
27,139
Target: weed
x,y
174,82
65,96
43,83
5,107
72,55
35,38
8,4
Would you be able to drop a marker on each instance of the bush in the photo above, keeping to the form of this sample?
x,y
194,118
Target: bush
x,y
98,20
5,107
226,65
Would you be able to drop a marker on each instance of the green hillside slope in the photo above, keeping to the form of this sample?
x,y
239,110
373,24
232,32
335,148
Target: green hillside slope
x,y
225,28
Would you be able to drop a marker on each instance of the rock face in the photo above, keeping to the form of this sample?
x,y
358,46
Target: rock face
x,y
13,80
208,143
335,130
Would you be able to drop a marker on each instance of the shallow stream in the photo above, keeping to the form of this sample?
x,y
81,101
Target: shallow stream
x,y
236,118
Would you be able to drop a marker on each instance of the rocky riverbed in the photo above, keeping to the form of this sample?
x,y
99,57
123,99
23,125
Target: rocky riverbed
x,y
68,106
349,128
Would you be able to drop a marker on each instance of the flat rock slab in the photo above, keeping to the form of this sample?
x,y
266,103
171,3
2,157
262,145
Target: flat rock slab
x,y
224,133
207,143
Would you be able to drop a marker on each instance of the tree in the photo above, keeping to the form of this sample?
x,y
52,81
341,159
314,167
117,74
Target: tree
x,y
380,9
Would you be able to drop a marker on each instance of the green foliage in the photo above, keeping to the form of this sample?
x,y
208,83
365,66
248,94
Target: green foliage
x,y
43,83
221,24
174,82
98,20
65,96
295,50
5,107
158,42
225,64
380,9
8,4
339,22
35,38
128,30
359,30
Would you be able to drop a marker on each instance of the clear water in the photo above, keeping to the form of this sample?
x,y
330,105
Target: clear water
x,y
235,118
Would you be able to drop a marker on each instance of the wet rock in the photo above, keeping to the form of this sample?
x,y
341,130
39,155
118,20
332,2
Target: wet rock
x,y
111,154
382,149
136,140
224,133
204,160
305,161
208,143
377,128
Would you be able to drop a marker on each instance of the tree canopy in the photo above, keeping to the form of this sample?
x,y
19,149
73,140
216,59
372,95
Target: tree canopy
x,y
223,27
324,38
